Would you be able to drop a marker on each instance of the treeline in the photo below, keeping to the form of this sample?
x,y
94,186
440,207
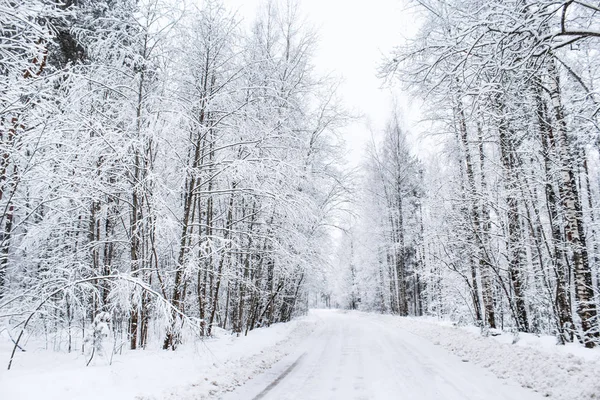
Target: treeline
x,y
164,165
503,223
383,251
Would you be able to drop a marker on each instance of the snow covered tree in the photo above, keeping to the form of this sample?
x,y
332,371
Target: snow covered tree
x,y
501,87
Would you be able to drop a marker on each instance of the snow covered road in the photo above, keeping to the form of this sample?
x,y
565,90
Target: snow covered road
x,y
360,356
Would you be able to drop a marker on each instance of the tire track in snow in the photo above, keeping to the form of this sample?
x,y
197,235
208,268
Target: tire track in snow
x,y
279,378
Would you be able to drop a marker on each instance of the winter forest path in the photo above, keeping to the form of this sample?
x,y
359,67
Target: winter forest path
x,y
358,356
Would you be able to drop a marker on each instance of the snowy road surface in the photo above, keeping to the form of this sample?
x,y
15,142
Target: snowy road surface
x,y
357,356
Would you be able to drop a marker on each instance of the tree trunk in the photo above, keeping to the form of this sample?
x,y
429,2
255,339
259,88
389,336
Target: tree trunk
x,y
484,261
229,226
573,214
515,249
562,302
471,199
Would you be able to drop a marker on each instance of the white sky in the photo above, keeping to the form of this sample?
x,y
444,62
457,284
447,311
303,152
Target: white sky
x,y
354,36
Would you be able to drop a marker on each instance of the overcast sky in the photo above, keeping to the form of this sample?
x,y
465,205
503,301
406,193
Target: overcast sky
x,y
354,36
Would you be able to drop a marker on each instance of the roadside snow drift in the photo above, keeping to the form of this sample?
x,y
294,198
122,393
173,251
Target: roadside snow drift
x,y
202,370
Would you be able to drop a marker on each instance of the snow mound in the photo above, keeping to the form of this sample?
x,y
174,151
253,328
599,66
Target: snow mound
x,y
553,372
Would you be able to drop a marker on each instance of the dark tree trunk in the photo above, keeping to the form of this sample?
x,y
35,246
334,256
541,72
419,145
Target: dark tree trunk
x,y
574,228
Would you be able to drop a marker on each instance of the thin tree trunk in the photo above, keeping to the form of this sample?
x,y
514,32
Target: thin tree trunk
x,y
515,240
471,198
484,262
229,225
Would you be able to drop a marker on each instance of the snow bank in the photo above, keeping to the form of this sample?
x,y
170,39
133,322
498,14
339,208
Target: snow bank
x,y
198,371
245,364
559,372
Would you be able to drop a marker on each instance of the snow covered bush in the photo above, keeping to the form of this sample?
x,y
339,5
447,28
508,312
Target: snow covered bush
x,y
100,332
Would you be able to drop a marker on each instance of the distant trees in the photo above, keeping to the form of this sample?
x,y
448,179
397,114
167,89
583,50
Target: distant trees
x,y
511,86
386,261
163,166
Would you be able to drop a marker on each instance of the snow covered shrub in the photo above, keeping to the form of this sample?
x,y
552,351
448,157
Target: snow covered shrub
x,y
515,333
100,332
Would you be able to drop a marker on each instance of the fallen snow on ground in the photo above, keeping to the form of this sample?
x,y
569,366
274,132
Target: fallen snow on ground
x,y
559,372
202,370
544,343
406,354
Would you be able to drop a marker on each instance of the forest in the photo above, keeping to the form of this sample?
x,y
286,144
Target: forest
x,y
499,228
161,169
167,170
